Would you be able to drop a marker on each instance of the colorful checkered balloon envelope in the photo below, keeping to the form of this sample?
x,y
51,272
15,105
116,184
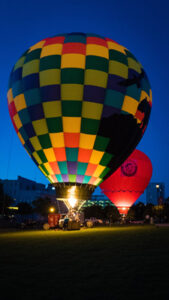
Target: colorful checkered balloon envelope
x,y
80,104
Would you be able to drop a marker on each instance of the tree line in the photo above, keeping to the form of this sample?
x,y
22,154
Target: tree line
x,y
137,212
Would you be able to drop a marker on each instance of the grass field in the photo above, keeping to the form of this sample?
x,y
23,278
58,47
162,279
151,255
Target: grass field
x,y
129,262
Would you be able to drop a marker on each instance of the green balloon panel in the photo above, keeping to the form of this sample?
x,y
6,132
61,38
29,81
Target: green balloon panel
x,y
79,103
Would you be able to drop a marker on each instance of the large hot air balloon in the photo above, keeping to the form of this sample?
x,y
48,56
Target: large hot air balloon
x,y
129,181
79,103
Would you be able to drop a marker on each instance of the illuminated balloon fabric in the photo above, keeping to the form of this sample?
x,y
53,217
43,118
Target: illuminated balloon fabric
x,y
79,103
129,181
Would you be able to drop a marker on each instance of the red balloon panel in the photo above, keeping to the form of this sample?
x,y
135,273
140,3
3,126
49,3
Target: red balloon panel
x,y
129,181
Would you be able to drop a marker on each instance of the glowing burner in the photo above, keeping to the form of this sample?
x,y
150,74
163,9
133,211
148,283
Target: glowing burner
x,y
72,201
123,210
73,195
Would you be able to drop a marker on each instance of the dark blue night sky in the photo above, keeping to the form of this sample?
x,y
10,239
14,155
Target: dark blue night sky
x,y
142,27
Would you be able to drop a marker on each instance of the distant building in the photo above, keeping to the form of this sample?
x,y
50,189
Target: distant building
x,y
25,190
155,193
101,200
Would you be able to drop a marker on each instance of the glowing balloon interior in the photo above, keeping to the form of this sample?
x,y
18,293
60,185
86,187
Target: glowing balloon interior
x,y
129,181
73,196
80,104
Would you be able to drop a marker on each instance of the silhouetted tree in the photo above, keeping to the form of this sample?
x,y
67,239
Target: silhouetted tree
x,y
107,213
166,211
24,208
139,211
111,213
95,211
167,200
149,210
42,205
131,214
5,201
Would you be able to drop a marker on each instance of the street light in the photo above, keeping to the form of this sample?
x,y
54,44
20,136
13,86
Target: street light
x,y
51,209
157,187
158,201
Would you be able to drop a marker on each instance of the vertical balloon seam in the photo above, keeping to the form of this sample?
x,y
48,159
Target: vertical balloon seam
x,y
107,175
61,99
104,99
84,74
23,144
82,101
40,95
105,46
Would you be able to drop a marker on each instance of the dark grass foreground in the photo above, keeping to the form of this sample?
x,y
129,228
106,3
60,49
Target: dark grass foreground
x,y
105,263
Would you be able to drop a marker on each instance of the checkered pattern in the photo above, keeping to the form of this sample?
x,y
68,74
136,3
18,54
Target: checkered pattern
x,y
63,90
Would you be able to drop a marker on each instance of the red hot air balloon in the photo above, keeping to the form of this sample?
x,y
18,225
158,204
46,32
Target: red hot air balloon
x,y
129,181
